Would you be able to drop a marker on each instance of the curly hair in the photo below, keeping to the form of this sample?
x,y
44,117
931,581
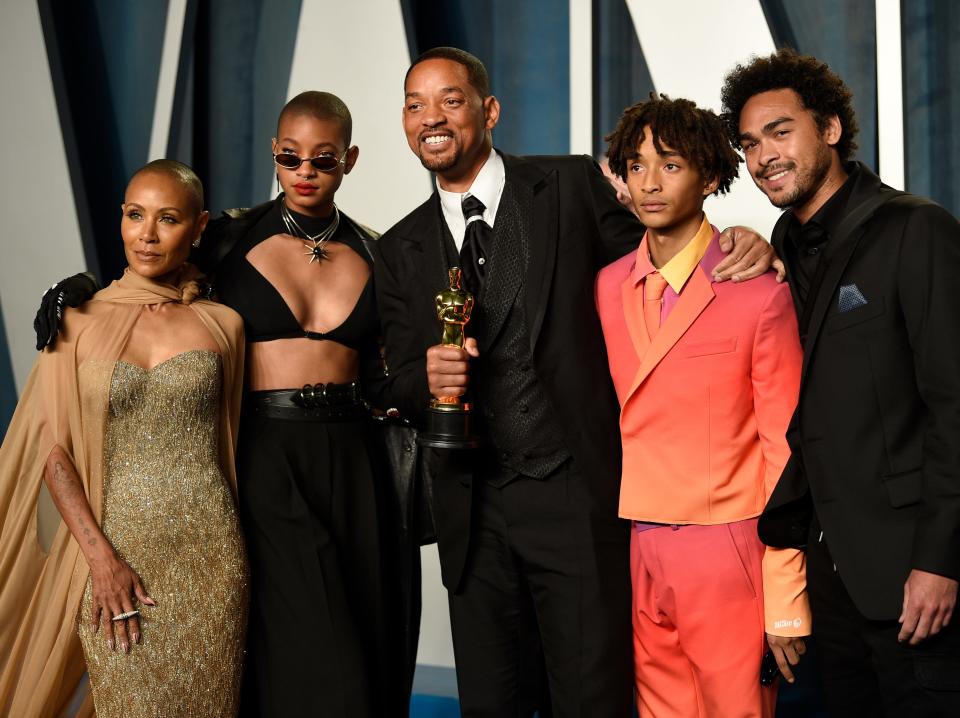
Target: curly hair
x,y
821,91
697,134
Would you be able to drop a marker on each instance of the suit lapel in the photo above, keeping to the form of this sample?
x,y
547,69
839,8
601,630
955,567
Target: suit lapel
x,y
505,261
538,224
863,202
777,242
427,238
631,292
693,300
837,262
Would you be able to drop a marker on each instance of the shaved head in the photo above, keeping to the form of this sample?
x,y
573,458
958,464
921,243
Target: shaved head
x,y
179,172
322,106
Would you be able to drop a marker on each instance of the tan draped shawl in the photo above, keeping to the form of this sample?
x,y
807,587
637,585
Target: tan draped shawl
x,y
65,403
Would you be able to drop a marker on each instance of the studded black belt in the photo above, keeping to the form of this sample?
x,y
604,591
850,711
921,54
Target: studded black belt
x,y
312,402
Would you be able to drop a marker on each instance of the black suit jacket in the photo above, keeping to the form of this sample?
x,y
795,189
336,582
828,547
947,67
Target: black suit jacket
x,y
876,434
576,226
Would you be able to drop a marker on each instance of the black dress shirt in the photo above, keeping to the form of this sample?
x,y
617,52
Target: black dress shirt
x,y
805,243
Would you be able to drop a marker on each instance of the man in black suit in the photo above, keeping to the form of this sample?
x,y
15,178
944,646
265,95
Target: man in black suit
x,y
531,549
873,485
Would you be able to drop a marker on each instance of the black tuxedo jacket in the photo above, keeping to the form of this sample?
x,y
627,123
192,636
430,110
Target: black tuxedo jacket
x,y
575,226
876,434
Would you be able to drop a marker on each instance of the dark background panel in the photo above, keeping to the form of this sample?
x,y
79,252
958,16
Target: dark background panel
x,y
104,60
242,54
8,389
931,99
842,34
231,84
526,48
620,74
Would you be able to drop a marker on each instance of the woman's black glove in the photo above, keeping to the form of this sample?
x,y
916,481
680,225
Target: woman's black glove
x,y
70,292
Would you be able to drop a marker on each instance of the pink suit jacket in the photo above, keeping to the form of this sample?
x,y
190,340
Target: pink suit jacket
x,y
705,407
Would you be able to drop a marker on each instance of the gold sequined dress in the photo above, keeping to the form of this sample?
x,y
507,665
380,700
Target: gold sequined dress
x,y
169,513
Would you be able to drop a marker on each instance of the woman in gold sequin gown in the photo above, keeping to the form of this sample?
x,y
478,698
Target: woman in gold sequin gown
x,y
131,422
168,512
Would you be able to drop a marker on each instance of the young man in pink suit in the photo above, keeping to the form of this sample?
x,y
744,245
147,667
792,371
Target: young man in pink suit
x,y
707,376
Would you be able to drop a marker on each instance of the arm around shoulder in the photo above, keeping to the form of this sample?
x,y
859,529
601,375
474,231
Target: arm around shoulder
x,y
70,292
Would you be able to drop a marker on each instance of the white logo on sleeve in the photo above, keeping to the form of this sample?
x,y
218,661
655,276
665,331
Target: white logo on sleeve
x,y
795,623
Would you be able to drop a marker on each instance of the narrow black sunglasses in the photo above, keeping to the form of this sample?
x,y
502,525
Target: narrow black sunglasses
x,y
323,163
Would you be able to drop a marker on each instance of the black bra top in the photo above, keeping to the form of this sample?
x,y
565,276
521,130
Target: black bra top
x,y
266,316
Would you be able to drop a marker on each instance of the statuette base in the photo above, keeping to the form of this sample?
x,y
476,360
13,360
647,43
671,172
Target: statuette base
x,y
449,426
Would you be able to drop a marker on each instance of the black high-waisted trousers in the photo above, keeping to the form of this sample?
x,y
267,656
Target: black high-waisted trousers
x,y
318,642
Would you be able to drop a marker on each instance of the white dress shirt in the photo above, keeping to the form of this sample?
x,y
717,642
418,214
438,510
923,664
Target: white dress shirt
x,y
487,187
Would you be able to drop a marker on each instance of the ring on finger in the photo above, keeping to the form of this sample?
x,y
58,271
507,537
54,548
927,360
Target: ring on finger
x,y
124,616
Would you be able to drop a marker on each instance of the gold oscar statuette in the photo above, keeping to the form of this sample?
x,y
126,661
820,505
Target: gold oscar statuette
x,y
449,418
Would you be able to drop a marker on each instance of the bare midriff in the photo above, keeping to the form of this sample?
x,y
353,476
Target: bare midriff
x,y
291,363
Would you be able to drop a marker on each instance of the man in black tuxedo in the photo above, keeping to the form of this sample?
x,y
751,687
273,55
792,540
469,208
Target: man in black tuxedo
x,y
873,485
531,549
